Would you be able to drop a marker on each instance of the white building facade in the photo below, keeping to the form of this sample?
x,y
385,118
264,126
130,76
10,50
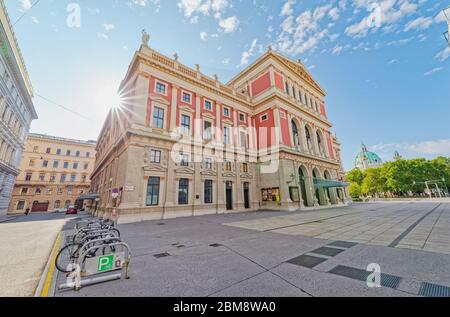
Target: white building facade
x,y
16,108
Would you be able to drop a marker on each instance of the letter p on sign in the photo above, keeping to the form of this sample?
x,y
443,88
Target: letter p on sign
x,y
105,263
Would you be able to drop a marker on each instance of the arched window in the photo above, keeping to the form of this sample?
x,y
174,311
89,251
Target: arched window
x,y
320,144
295,134
308,139
67,204
57,204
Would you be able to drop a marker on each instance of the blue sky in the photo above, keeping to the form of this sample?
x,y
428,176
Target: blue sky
x,y
384,64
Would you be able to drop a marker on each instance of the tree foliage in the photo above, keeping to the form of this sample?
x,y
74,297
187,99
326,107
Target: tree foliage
x,y
400,177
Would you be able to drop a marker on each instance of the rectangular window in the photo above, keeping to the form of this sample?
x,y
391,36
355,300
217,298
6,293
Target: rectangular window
x,y
24,191
55,164
155,156
21,205
242,117
208,163
208,105
185,124
184,160
86,166
153,191
49,191
69,190
68,152
45,164
226,135
186,97
58,151
158,118
28,177
207,130
41,177
48,151
183,192
73,178
38,191
52,178
83,178
78,154
160,88
208,191
88,154
32,162
59,191
228,166
75,166
63,178
243,137
66,164
245,167
264,117
226,112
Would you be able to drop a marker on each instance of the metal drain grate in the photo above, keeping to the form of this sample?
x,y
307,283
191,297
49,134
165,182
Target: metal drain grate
x,y
161,255
307,261
434,290
327,251
343,244
387,280
215,245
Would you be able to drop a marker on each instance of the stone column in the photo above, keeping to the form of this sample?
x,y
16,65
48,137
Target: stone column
x,y
276,115
220,200
304,144
170,190
315,142
291,135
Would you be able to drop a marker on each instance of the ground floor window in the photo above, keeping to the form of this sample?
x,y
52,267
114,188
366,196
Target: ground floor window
x,y
20,205
208,192
183,192
57,204
153,191
67,204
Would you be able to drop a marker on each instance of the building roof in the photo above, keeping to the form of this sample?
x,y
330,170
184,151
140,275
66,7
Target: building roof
x,y
60,139
365,155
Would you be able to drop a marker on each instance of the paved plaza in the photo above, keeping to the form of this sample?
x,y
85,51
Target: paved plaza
x,y
312,253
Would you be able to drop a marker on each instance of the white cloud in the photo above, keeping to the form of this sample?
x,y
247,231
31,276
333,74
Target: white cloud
x,y
429,149
287,9
421,23
108,26
249,53
35,20
434,70
230,24
444,54
381,13
203,36
103,36
25,4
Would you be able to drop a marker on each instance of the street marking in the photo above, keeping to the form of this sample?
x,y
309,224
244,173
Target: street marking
x,y
49,278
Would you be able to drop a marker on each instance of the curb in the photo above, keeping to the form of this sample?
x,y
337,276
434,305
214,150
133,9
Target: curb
x,y
45,287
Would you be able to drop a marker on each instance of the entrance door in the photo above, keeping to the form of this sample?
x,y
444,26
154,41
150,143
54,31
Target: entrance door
x,y
40,207
247,195
229,195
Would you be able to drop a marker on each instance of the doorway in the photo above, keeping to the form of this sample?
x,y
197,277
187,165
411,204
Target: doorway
x,y
247,195
229,195
40,207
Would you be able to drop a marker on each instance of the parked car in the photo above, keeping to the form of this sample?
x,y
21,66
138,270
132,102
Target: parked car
x,y
71,211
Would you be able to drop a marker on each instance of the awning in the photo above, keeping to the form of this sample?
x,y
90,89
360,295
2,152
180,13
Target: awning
x,y
89,197
326,183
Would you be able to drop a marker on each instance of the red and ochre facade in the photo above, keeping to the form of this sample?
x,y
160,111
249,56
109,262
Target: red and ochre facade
x,y
184,143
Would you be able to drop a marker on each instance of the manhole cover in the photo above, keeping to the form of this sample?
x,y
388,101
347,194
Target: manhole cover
x,y
343,244
307,261
161,255
434,290
327,251
387,280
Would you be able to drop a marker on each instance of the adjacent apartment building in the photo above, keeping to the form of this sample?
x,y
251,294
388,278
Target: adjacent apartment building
x,y
54,173
183,143
16,108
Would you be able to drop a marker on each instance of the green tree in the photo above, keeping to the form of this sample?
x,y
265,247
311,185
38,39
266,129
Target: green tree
x,y
373,182
355,176
355,190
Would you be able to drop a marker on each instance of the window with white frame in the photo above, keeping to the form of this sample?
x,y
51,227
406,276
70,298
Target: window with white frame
x,y
264,117
155,156
208,105
158,118
186,97
185,124
226,112
184,159
241,117
243,137
160,88
207,130
208,164
226,135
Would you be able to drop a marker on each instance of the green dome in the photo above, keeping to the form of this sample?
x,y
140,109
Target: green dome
x,y
367,159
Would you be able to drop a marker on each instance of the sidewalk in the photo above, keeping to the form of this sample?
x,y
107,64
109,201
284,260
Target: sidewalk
x,y
6,218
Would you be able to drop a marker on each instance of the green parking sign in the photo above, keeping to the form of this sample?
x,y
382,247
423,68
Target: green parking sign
x,y
105,263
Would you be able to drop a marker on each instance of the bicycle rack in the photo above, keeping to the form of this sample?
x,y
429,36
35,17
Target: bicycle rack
x,y
90,266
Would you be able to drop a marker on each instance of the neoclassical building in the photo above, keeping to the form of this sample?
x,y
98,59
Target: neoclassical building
x,y
183,143
16,109
54,173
